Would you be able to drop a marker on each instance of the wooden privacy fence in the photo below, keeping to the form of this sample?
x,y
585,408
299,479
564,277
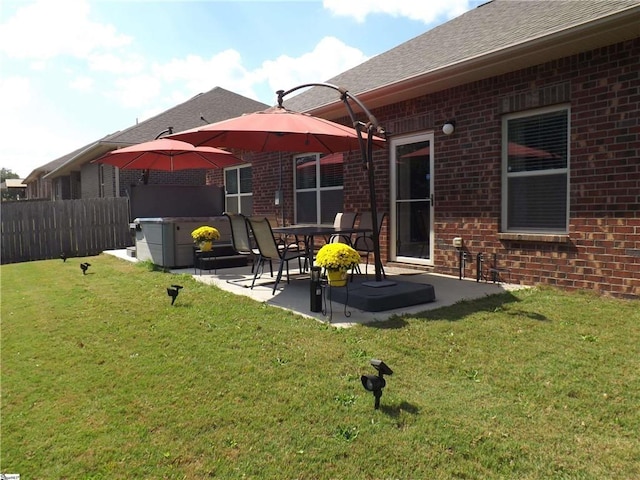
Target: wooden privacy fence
x,y
40,230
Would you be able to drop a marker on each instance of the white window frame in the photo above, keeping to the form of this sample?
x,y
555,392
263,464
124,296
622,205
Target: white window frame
x,y
317,189
238,196
555,171
393,223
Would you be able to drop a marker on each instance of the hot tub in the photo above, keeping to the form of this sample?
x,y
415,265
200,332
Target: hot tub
x,y
167,242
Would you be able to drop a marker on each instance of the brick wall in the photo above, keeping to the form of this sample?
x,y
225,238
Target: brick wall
x,y
157,177
602,251
90,181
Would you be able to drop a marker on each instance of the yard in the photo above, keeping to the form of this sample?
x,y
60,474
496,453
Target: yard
x,y
103,378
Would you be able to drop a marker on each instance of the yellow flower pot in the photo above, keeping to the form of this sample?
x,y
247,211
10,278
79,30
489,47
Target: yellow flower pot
x,y
337,278
206,246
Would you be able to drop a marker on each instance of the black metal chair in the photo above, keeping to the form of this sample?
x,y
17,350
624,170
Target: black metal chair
x,y
270,250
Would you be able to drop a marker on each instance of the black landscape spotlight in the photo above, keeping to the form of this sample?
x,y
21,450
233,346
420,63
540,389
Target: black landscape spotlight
x,y
173,291
84,267
375,383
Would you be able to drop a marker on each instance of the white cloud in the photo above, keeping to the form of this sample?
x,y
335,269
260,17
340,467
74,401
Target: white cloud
x,y
82,83
327,59
15,94
135,92
202,74
47,29
420,10
38,133
195,74
38,65
128,64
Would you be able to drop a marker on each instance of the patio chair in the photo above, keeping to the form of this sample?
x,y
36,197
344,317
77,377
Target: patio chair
x,y
363,243
343,220
241,239
269,250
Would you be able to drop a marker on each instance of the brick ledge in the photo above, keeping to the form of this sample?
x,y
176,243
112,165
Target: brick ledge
x,y
534,237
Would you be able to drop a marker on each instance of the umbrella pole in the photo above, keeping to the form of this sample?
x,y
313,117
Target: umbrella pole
x,y
374,211
367,160
367,156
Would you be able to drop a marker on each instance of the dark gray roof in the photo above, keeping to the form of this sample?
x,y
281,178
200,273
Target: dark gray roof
x,y
210,107
494,26
52,165
213,106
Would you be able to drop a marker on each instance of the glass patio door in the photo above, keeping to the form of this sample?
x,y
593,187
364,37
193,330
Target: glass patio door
x,y
412,199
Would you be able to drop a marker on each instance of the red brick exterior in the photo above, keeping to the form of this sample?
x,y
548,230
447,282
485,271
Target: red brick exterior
x,y
602,249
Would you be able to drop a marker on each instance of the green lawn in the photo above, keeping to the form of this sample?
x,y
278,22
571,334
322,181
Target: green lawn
x,y
103,378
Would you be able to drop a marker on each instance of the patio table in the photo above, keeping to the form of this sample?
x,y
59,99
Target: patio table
x,y
309,232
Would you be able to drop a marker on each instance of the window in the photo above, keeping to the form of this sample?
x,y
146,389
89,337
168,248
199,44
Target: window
x,y
318,187
238,184
535,165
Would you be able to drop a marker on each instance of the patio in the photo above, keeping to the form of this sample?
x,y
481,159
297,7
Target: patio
x,y
296,295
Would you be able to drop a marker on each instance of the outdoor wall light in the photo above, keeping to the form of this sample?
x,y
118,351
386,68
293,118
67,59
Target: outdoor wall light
x,y
449,127
173,292
375,383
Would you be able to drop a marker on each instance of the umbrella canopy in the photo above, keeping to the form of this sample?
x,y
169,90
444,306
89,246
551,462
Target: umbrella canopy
x,y
280,130
169,155
276,130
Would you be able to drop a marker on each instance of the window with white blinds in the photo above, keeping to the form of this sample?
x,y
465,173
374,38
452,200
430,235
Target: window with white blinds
x,y
535,162
318,187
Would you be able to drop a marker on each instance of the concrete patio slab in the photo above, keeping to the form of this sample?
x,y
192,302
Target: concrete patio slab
x,y
295,296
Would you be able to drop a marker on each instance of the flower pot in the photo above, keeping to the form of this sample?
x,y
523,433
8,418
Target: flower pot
x,y
337,278
206,246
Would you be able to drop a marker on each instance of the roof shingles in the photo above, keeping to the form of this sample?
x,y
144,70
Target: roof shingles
x,y
492,26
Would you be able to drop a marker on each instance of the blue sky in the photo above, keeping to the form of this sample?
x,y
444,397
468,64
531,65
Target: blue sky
x,y
72,71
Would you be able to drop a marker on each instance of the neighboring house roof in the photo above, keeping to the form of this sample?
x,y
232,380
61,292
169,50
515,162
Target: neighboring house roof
x,y
52,165
494,38
210,107
13,183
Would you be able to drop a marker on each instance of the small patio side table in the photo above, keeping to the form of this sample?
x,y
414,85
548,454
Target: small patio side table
x,y
326,298
203,259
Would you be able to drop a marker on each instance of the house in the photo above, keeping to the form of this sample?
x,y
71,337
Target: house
x,y
536,177
67,187
73,176
13,189
37,187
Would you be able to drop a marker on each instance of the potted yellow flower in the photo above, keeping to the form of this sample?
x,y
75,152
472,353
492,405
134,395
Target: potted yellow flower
x,y
337,258
204,237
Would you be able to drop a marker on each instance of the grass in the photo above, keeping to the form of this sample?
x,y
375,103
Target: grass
x,y
103,378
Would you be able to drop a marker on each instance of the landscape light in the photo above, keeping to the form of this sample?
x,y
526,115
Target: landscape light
x,y
173,291
375,383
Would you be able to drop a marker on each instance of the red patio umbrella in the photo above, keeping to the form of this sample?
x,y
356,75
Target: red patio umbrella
x,y
169,155
280,130
276,130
